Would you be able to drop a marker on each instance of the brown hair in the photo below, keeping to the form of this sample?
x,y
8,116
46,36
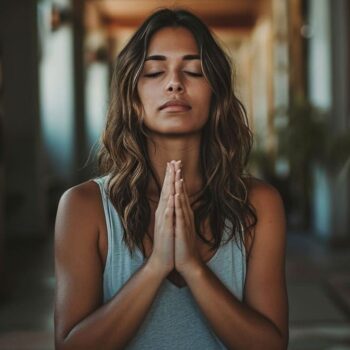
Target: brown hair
x,y
225,147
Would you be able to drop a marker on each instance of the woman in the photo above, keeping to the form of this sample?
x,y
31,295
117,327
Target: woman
x,y
173,246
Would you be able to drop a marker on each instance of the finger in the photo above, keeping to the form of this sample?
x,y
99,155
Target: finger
x,y
168,186
165,182
171,187
180,221
177,181
177,173
187,204
168,219
179,190
177,164
184,207
177,178
169,211
187,200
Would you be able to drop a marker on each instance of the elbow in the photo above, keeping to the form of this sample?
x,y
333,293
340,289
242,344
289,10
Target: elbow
x,y
60,342
280,343
59,345
63,343
283,340
280,340
67,343
277,342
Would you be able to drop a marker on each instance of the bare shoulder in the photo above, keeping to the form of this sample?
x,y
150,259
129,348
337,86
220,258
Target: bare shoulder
x,y
86,193
262,194
80,206
269,209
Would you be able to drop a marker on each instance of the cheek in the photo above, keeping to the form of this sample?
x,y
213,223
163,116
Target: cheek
x,y
204,99
147,97
141,92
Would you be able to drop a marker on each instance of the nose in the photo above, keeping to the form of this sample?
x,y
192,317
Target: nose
x,y
174,84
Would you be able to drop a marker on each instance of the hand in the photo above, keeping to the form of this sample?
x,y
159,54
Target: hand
x,y
186,252
162,257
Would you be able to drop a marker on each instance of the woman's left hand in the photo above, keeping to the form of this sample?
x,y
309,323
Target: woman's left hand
x,y
186,252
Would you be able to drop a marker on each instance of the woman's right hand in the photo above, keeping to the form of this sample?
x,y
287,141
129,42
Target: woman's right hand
x,y
162,257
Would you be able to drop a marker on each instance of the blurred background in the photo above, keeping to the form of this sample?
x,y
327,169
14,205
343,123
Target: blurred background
x,y
292,73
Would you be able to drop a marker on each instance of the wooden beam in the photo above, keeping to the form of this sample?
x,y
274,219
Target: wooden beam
x,y
234,21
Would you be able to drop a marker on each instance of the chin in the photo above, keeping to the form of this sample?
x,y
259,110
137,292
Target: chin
x,y
175,129
172,131
176,132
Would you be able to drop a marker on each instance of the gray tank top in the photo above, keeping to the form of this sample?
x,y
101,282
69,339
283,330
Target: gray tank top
x,y
174,320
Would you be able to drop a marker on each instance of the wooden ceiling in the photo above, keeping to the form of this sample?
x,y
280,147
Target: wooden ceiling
x,y
220,14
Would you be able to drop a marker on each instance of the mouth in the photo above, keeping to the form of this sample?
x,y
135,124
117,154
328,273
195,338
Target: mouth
x,y
175,106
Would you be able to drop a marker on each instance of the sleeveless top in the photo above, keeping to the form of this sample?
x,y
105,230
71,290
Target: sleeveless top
x,y
174,320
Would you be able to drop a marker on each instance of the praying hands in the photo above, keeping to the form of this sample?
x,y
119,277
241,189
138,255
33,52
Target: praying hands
x,y
175,241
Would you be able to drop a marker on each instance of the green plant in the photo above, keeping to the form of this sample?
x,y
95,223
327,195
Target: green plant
x,y
308,138
304,139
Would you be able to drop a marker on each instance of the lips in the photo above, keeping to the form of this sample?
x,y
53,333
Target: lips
x,y
175,103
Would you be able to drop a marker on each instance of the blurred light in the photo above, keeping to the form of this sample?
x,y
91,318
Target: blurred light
x,y
306,31
280,121
282,167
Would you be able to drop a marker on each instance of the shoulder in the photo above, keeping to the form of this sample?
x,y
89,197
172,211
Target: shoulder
x,y
269,209
84,193
85,196
80,206
263,195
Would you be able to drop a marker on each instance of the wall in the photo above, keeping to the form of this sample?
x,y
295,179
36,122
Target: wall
x,y
21,128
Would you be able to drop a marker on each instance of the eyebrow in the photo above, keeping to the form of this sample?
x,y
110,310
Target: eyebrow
x,y
163,58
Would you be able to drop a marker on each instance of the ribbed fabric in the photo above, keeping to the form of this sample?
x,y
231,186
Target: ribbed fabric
x,y
174,321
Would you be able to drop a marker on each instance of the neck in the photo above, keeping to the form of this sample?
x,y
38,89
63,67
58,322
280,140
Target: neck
x,y
163,149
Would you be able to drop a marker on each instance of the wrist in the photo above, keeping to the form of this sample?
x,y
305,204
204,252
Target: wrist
x,y
154,267
192,271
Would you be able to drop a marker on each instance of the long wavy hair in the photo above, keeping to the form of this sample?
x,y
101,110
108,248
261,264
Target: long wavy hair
x,y
225,146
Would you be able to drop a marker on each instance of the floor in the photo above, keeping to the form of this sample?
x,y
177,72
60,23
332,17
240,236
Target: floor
x,y
318,281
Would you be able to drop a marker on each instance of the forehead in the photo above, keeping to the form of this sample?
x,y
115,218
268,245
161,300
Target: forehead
x,y
173,40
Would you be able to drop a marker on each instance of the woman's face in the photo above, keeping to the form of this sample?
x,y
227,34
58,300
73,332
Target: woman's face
x,y
172,74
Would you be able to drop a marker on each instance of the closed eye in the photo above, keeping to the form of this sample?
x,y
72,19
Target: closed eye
x,y
153,75
194,74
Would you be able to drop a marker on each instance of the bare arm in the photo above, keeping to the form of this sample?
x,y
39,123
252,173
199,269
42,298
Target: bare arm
x,y
81,321
261,321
